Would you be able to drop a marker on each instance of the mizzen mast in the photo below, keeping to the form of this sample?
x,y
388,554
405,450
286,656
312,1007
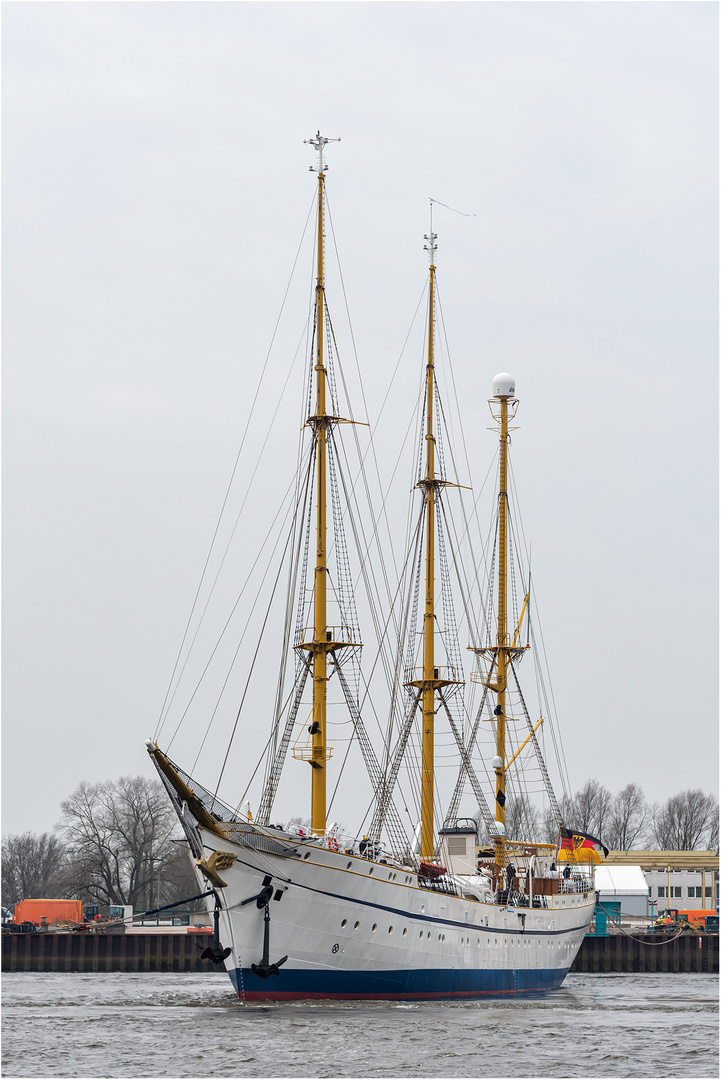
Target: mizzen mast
x,y
503,391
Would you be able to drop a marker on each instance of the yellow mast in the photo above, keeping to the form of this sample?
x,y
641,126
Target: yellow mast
x,y
320,422
504,389
430,681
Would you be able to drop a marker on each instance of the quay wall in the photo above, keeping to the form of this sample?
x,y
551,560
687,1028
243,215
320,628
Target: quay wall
x,y
647,952
105,952
181,952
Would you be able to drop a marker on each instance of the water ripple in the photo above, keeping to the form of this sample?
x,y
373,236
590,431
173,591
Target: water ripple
x,y
193,1025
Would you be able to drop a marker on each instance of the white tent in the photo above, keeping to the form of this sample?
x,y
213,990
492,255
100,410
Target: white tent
x,y
624,884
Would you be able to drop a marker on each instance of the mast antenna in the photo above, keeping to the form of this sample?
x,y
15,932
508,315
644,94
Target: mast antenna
x,y
319,143
431,237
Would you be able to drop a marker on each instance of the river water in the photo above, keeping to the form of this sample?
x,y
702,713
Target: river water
x,y
192,1025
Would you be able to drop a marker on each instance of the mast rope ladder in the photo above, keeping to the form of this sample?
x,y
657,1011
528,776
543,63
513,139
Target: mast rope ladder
x,y
414,591
303,589
460,782
271,787
344,587
390,778
467,765
394,825
293,570
450,633
541,762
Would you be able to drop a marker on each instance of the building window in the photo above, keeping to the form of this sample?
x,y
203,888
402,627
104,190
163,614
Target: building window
x,y
708,890
692,890
662,890
676,890
698,891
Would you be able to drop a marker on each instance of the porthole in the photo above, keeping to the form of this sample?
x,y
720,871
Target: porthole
x,y
344,922
429,935
390,929
348,865
370,871
443,937
405,931
374,927
439,937
421,934
356,925
307,855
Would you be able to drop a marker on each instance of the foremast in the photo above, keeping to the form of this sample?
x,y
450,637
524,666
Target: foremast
x,y
430,674
320,422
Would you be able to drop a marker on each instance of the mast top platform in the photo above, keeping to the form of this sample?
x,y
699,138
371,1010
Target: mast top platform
x,y
319,143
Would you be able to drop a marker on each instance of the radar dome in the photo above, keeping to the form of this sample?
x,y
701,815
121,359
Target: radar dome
x,y
504,385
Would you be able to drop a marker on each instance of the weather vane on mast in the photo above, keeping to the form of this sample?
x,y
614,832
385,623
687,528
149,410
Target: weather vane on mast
x,y
319,142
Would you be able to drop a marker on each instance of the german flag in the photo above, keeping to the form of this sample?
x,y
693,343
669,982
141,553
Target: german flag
x,y
580,847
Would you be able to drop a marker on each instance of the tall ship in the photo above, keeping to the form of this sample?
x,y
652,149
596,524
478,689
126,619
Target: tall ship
x,y
419,901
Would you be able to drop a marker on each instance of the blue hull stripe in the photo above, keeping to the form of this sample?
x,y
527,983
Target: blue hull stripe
x,y
431,918
428,982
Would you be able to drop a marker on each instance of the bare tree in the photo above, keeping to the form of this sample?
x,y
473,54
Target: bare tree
x,y
549,822
523,819
685,821
628,817
591,809
33,867
118,836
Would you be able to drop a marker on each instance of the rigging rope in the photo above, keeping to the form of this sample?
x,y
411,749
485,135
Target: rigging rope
x,y
162,716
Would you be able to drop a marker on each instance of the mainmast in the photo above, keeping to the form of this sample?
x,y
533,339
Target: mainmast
x,y
320,422
433,678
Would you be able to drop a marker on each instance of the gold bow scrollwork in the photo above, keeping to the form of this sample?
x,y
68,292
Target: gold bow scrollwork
x,y
219,860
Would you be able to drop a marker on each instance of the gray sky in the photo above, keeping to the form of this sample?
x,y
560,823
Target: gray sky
x,y
155,187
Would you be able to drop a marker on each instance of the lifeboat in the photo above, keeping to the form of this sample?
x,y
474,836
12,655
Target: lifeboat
x,y
431,870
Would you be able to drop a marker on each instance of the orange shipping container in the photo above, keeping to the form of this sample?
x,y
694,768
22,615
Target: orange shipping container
x,y
64,911
694,915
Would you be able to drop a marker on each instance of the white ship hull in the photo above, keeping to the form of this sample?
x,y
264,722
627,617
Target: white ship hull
x,y
353,928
